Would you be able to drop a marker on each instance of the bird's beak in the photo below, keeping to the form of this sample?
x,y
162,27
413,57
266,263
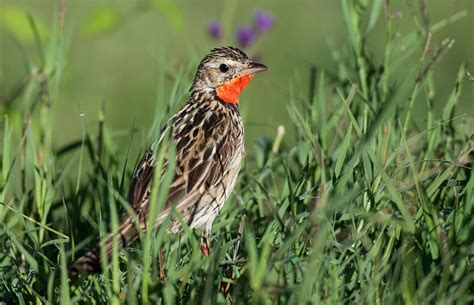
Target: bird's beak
x,y
253,68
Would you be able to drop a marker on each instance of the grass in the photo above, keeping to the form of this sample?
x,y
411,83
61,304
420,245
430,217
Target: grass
x,y
369,205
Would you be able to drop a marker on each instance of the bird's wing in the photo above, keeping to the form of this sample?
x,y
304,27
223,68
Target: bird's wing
x,y
141,180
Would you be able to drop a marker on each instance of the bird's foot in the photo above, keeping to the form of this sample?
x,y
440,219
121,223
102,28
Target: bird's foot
x,y
205,249
163,277
161,262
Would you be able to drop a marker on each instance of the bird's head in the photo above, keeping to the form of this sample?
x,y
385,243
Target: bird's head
x,y
225,72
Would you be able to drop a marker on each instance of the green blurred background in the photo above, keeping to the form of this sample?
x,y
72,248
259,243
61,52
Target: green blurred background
x,y
118,49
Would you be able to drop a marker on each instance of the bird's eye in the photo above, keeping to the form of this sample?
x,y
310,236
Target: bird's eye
x,y
223,68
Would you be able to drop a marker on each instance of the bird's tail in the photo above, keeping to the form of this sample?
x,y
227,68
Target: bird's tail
x,y
90,262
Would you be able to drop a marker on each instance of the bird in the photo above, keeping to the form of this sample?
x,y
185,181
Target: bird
x,y
208,134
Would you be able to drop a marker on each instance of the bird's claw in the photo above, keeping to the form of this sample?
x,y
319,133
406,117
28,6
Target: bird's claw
x,y
205,249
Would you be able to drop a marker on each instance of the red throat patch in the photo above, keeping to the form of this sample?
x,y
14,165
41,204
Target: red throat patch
x,y
230,91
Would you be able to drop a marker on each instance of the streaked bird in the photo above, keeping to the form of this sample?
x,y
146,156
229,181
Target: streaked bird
x,y
209,137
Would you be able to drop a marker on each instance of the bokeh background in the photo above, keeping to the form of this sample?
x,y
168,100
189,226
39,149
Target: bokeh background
x,y
117,51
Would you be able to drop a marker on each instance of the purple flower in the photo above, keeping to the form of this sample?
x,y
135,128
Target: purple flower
x,y
214,30
264,21
245,36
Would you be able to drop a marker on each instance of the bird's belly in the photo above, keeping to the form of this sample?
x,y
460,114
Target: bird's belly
x,y
211,202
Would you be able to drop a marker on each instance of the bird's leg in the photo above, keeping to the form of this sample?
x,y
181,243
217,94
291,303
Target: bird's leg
x,y
162,266
205,245
205,248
